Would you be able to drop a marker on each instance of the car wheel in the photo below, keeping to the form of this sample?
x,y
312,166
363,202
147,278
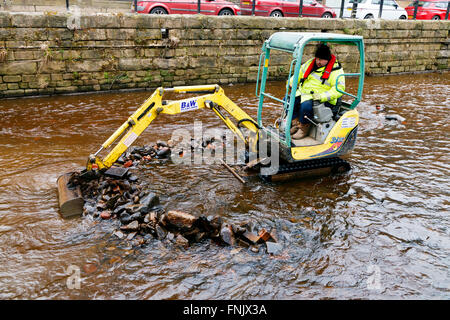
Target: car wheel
x,y
158,10
226,12
436,18
369,16
327,15
276,14
403,17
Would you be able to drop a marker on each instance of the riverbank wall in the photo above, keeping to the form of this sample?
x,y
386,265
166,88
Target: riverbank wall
x,y
55,53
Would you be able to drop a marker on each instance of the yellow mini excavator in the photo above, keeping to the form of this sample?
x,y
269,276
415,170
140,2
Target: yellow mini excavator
x,y
332,134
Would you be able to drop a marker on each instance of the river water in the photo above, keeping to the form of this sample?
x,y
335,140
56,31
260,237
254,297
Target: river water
x,y
379,231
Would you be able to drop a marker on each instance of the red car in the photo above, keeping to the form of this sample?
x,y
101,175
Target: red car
x,y
286,8
428,10
208,7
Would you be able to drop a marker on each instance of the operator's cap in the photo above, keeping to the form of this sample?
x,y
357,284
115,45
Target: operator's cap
x,y
323,52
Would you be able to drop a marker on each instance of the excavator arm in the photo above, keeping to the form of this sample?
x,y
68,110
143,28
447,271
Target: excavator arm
x,y
214,98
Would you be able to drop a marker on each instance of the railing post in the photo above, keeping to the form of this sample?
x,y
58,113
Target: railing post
x,y
67,4
198,6
381,9
253,7
354,8
448,10
300,9
135,6
341,14
416,5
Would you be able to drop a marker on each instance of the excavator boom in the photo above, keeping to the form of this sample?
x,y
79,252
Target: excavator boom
x,y
213,99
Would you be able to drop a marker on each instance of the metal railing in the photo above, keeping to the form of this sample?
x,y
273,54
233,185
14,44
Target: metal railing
x,y
342,8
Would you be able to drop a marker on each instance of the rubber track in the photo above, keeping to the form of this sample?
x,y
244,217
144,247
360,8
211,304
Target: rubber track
x,y
309,165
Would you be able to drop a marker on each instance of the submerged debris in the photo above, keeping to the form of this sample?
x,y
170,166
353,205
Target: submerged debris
x,y
117,194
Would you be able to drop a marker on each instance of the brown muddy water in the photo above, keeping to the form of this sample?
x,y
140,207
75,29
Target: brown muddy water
x,y
379,231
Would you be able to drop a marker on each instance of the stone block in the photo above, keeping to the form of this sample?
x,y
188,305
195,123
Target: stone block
x,y
28,20
100,21
86,66
12,78
14,93
31,92
5,20
89,34
52,67
18,67
130,64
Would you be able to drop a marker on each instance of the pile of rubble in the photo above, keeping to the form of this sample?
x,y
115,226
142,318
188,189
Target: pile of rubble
x,y
140,214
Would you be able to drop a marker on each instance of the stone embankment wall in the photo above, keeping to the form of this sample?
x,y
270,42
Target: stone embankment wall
x,y
44,54
91,6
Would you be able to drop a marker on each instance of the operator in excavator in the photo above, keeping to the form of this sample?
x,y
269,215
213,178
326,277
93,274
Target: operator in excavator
x,y
317,82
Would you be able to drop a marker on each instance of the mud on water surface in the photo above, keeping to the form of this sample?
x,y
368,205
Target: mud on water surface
x,y
380,230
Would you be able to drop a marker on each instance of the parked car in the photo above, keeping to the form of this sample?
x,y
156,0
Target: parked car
x,y
369,9
428,10
207,7
286,8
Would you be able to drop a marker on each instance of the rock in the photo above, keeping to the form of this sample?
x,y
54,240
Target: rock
x,y
162,144
105,215
128,164
120,209
90,267
132,226
215,222
182,241
112,201
170,236
163,152
133,208
273,247
247,225
254,249
395,117
264,235
119,234
243,243
135,216
161,233
133,178
200,236
89,208
274,235
204,224
154,217
227,236
238,230
101,205
251,237
125,218
131,235
179,219
148,202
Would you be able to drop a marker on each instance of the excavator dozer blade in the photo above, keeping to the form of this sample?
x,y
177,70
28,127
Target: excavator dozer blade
x,y
70,199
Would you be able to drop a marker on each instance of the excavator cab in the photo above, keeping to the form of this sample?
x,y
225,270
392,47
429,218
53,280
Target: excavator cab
x,y
332,134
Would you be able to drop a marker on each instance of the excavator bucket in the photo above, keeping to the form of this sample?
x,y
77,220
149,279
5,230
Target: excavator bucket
x,y
70,200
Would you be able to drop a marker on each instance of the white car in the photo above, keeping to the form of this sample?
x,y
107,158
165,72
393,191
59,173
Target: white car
x,y
369,9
